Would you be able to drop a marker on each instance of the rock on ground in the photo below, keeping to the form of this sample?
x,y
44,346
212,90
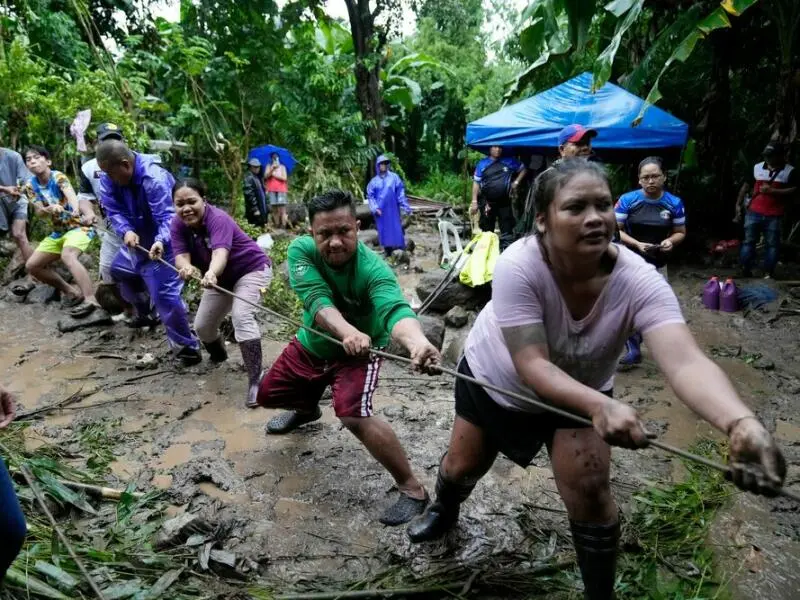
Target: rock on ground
x,y
432,327
456,317
42,294
455,348
95,319
369,237
297,213
455,293
401,257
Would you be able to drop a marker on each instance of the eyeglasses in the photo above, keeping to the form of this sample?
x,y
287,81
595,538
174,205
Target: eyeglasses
x,y
650,177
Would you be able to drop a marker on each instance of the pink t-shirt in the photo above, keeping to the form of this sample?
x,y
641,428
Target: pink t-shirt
x,y
635,298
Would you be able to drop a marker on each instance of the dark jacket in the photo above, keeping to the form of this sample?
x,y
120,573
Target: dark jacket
x,y
255,200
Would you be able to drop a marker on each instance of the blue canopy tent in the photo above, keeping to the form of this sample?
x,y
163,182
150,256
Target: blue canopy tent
x,y
532,125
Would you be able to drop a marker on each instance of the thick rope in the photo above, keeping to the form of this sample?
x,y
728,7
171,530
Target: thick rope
x,y
526,398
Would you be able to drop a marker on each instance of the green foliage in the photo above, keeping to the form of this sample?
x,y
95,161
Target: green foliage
x,y
280,297
443,187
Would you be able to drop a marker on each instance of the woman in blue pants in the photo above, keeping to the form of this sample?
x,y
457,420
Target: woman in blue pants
x,y
12,522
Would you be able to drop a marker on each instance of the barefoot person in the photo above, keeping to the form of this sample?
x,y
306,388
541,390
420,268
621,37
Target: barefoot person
x,y
208,243
652,222
351,294
12,521
53,198
136,194
14,207
564,301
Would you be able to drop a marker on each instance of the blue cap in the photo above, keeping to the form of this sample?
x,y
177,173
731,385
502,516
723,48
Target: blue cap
x,y
574,133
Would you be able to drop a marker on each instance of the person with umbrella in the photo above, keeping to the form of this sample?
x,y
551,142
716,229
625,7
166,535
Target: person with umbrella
x,y
255,201
386,195
276,181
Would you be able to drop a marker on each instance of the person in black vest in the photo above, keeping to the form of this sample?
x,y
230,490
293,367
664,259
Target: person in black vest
x,y
495,181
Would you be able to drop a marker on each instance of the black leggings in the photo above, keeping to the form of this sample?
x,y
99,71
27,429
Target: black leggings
x,y
504,215
12,522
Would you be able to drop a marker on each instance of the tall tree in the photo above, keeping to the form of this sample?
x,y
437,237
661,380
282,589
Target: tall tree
x,y
369,40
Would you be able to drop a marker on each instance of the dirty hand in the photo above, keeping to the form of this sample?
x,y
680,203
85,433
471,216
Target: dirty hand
x,y
89,219
357,343
131,240
666,246
619,425
11,190
756,463
426,357
473,208
156,251
209,279
644,248
187,273
8,407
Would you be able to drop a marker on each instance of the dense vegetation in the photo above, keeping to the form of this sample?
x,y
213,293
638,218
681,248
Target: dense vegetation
x,y
231,75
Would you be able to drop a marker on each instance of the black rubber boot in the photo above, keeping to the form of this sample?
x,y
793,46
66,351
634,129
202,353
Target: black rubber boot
x,y
189,356
216,350
596,549
251,357
440,516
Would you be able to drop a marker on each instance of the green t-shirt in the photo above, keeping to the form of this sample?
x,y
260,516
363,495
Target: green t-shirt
x,y
364,290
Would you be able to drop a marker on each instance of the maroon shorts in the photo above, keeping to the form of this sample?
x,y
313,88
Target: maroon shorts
x,y
297,379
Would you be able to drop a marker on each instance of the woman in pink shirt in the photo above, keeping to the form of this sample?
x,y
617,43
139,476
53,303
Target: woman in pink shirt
x,y
563,303
276,182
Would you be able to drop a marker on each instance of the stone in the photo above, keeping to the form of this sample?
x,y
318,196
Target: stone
x,y
15,269
456,317
96,319
764,364
177,530
455,348
394,411
42,294
411,245
297,213
364,215
432,327
401,257
454,293
368,236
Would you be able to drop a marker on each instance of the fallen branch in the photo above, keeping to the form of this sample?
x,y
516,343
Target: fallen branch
x,y
96,490
76,397
136,378
461,586
43,505
129,398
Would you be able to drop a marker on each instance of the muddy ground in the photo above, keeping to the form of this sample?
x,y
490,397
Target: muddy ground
x,y
304,506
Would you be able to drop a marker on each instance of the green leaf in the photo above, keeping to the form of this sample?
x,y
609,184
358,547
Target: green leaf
x,y
120,591
604,62
619,7
532,38
399,96
580,14
163,584
685,48
63,580
718,19
737,7
324,37
57,490
28,582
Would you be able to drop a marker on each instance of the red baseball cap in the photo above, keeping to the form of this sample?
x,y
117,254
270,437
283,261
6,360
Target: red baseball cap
x,y
574,133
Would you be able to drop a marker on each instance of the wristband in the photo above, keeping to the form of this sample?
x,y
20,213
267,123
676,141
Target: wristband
x,y
736,422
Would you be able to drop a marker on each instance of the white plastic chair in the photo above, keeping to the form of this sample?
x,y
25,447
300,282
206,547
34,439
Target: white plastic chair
x,y
449,235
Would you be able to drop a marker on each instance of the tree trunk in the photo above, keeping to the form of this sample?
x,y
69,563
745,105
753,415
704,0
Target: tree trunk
x,y
716,130
367,67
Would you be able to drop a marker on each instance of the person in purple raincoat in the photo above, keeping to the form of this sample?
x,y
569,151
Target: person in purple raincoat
x,y
386,195
136,194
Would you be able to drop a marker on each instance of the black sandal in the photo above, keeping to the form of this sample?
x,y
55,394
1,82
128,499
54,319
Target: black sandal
x,y
22,289
83,310
404,510
71,301
291,420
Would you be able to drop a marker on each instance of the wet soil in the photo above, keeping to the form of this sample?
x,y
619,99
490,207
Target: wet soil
x,y
305,505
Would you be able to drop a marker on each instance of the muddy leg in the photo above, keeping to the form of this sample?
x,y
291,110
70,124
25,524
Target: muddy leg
x,y
580,462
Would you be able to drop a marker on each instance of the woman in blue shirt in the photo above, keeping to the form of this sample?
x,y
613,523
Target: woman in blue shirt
x,y
651,222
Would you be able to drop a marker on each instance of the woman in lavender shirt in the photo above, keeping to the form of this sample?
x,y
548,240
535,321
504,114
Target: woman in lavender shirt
x,y
208,243
564,302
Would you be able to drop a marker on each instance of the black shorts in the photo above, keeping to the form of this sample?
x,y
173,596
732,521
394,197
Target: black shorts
x,y
516,434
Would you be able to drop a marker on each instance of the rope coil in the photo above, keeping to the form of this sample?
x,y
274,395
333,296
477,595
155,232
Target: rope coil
x,y
529,399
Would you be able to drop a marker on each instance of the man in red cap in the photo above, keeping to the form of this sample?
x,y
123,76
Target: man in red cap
x,y
575,140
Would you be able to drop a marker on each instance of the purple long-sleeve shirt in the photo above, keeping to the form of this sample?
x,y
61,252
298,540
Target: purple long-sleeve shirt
x,y
144,206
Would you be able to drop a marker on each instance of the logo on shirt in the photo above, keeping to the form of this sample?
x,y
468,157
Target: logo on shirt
x,y
665,215
300,270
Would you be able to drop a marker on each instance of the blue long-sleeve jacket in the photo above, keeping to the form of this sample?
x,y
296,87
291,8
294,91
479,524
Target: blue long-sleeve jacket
x,y
144,206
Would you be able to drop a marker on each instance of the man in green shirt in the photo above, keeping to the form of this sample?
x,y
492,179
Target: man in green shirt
x,y
351,294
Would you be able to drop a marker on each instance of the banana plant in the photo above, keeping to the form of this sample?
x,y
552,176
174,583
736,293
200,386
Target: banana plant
x,y
551,29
